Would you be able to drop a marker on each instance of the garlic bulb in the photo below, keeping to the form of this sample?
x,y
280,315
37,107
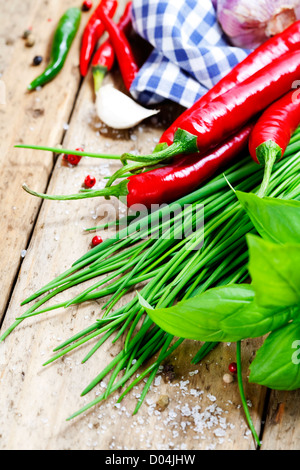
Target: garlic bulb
x,y
249,23
118,110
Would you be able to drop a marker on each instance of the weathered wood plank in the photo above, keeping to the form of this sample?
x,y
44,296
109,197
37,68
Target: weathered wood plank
x,y
203,412
32,118
282,428
15,19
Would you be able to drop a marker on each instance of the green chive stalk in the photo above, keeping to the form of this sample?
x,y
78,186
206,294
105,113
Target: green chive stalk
x,y
171,268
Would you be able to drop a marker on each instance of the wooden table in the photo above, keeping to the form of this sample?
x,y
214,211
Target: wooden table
x,y
203,412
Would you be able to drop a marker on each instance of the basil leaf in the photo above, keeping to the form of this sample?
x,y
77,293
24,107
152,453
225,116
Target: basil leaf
x,y
277,362
276,220
226,313
275,272
255,320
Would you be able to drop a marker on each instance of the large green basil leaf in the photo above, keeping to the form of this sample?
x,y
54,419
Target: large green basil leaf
x,y
275,272
276,220
277,362
226,313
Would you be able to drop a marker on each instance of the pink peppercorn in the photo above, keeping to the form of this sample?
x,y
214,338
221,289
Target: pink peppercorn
x,y
74,159
96,240
232,367
87,5
90,181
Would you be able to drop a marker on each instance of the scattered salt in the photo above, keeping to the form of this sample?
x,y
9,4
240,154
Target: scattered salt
x,y
211,397
219,432
157,381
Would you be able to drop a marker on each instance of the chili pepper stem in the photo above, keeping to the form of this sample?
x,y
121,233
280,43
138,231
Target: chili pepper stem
x,y
267,154
266,179
99,73
184,143
69,152
118,190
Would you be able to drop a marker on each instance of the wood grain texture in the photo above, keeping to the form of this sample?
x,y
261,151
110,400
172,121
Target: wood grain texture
x,y
31,118
282,427
202,411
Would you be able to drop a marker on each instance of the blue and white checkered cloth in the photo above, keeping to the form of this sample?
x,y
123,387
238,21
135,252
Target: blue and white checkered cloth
x,y
190,52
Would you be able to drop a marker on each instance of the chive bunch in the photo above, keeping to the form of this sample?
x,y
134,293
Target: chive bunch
x,y
171,267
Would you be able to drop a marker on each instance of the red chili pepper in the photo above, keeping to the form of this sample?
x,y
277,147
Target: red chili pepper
x,y
93,31
105,60
171,182
273,48
122,48
104,57
206,127
166,184
272,132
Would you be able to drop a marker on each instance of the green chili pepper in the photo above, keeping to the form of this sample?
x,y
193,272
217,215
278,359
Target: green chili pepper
x,y
63,38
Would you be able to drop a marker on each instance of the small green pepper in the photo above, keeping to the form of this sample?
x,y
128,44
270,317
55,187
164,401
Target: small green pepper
x,y
65,32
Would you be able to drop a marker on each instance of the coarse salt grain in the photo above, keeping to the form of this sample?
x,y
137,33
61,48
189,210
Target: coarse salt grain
x,y
157,381
185,410
211,397
219,432
183,384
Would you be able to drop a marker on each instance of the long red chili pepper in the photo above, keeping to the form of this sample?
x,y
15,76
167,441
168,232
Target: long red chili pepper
x,y
164,185
93,32
273,48
104,57
171,182
272,132
122,48
206,127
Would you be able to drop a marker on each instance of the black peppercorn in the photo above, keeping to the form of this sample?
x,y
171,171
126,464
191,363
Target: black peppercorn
x,y
37,60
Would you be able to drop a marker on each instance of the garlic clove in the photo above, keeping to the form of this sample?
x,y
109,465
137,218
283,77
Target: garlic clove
x,y
118,110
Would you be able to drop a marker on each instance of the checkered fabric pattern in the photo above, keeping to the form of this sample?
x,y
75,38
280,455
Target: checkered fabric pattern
x,y
190,52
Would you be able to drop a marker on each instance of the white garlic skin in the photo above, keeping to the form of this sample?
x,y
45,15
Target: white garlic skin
x,y
118,110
